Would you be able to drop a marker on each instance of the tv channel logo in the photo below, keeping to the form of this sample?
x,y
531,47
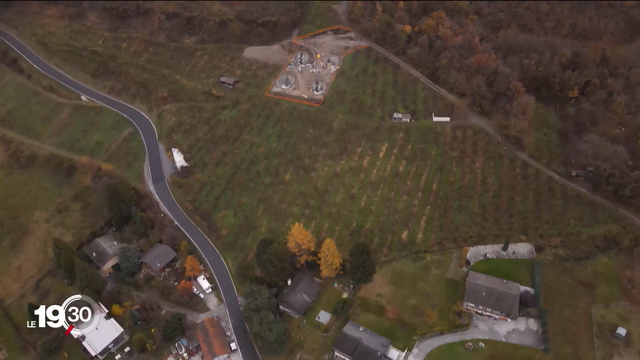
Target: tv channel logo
x,y
77,315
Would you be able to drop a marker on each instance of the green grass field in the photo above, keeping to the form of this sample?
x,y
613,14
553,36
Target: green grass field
x,y
607,321
80,129
493,350
393,303
569,290
518,270
40,200
48,291
326,301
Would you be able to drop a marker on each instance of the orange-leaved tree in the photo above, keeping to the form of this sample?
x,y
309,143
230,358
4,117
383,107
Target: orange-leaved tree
x,y
185,288
192,266
329,259
301,243
116,310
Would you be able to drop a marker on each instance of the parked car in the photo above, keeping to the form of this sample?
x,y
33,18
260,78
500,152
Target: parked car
x,y
201,295
233,346
180,348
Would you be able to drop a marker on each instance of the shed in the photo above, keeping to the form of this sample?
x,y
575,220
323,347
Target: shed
x,y
621,332
158,257
323,317
228,81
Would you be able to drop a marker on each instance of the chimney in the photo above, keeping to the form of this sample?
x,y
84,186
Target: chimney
x,y
289,282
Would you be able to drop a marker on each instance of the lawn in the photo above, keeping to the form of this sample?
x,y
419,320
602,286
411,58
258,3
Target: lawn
x,y
607,320
49,290
326,301
393,303
493,350
76,127
518,270
569,290
12,342
40,200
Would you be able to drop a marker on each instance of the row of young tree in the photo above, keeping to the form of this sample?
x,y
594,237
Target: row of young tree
x,y
581,59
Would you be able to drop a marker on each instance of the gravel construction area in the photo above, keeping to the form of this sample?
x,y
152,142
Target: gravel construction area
x,y
273,54
515,251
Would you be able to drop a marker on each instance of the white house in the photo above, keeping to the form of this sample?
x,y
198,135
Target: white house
x,y
107,336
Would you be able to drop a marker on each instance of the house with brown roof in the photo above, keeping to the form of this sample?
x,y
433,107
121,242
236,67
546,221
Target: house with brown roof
x,y
212,339
492,296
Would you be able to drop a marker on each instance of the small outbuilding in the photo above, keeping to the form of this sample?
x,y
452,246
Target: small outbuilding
x,y
621,332
323,317
399,117
228,81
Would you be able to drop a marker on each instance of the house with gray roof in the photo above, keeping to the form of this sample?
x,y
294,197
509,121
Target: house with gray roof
x,y
356,342
104,252
157,258
492,296
296,298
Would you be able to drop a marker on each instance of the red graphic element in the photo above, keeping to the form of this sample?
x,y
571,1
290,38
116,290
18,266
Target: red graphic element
x,y
69,330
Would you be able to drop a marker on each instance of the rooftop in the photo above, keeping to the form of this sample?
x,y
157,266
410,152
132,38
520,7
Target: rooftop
x,y
102,249
212,339
103,335
158,256
494,293
228,80
300,294
360,343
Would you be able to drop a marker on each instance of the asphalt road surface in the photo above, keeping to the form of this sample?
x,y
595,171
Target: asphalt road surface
x,y
160,188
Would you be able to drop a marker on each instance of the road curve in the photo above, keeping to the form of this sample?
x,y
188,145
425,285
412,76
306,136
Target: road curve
x,y
160,188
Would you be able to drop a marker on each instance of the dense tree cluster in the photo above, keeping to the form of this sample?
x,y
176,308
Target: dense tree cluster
x,y
581,59
259,310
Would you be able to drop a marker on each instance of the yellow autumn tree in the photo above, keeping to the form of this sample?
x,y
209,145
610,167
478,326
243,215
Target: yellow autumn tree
x,y
301,243
329,259
116,310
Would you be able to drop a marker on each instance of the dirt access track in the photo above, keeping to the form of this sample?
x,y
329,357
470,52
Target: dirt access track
x,y
309,72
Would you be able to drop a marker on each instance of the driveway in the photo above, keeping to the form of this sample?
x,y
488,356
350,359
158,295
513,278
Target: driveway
x,y
522,331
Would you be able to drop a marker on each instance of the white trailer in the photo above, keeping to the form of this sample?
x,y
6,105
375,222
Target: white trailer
x,y
204,284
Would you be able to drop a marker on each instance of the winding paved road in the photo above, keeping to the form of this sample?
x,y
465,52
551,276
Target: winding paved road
x,y
160,188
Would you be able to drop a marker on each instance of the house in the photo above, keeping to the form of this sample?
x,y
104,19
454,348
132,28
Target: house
x,y
212,339
359,343
398,117
106,337
492,296
296,298
228,81
104,253
157,258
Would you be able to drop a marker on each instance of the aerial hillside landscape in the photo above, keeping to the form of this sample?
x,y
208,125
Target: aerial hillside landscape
x,y
532,178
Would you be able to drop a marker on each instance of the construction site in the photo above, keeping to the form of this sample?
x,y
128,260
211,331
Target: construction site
x,y
308,74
